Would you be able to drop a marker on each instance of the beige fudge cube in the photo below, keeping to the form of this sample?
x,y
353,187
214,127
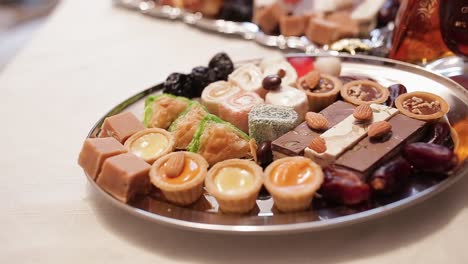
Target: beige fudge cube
x,y
293,25
322,31
267,18
347,26
125,176
95,151
121,126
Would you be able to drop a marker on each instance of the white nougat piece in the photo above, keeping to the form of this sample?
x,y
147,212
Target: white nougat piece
x,y
346,134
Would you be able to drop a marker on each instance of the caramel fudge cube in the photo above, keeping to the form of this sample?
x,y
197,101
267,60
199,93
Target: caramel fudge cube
x,y
347,26
121,126
95,151
267,18
293,25
322,31
124,176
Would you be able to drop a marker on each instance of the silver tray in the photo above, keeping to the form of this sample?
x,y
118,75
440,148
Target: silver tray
x,y
251,31
204,215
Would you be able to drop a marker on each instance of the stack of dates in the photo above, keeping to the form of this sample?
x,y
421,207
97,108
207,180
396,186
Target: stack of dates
x,y
433,157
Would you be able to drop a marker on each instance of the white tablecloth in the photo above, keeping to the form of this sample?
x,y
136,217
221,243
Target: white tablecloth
x,y
89,57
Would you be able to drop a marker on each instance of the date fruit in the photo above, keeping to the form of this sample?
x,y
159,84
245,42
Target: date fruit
x,y
395,91
264,154
391,177
439,133
344,186
430,157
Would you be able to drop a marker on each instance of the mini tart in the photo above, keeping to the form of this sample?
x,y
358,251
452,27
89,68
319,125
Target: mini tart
x,y
364,92
323,94
235,184
292,182
150,144
186,188
422,105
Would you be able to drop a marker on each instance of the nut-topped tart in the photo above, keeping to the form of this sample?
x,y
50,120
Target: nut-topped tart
x,y
321,89
364,92
268,138
422,105
180,176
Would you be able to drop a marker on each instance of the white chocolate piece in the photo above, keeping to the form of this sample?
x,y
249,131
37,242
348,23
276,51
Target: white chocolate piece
x,y
328,65
291,97
346,134
272,66
216,93
249,78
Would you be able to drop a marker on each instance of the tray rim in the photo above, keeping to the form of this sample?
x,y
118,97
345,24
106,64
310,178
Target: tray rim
x,y
311,226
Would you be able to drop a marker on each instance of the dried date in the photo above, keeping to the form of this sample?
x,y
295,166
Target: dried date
x,y
390,177
344,186
264,154
439,133
430,157
395,91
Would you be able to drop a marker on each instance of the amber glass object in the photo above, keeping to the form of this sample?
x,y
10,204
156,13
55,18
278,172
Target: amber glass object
x,y
417,37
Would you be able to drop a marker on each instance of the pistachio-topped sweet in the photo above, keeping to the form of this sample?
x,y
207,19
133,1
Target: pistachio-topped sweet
x,y
364,92
422,105
150,144
235,184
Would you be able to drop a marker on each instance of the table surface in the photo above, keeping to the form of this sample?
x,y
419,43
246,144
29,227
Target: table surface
x,y
89,57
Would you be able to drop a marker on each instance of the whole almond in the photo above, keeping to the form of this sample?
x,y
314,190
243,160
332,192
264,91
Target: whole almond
x,y
316,121
379,129
312,79
318,145
175,165
363,113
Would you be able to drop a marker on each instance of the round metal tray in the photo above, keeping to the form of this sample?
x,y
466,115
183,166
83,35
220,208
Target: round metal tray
x,y
204,215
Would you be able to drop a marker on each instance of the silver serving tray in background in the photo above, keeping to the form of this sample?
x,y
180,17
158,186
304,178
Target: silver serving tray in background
x,y
251,31
204,215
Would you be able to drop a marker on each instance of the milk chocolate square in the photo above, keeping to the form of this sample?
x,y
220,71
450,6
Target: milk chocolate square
x,y
124,176
294,142
369,153
121,126
95,151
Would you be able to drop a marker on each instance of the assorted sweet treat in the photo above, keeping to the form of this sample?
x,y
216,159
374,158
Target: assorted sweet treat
x,y
302,134
233,10
235,184
321,21
180,176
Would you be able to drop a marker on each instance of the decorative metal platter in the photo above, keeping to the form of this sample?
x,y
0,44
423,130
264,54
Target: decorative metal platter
x,y
250,31
265,219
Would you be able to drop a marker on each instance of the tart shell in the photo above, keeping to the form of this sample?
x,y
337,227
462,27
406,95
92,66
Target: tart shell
x,y
295,198
185,193
355,101
444,107
168,149
240,202
318,101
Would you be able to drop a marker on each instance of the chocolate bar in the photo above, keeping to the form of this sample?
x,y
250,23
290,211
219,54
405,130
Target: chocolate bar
x,y
294,142
369,153
346,135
